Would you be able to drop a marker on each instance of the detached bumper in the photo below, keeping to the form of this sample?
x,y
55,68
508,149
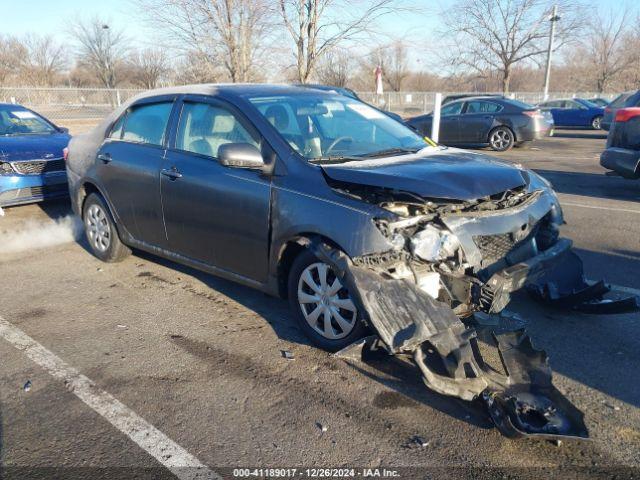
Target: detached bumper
x,y
21,189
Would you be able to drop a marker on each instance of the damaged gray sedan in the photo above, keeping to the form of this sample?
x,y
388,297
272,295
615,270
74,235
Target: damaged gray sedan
x,y
363,225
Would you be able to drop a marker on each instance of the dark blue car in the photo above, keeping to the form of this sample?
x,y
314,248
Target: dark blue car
x,y
574,112
32,166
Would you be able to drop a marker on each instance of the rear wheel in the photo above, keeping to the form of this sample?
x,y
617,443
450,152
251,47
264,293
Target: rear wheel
x,y
322,305
100,230
596,122
501,139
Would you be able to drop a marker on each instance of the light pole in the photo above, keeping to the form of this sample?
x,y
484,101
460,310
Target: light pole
x,y
553,19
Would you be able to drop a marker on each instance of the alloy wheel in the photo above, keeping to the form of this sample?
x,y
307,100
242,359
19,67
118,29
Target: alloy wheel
x,y
596,123
98,228
325,302
501,139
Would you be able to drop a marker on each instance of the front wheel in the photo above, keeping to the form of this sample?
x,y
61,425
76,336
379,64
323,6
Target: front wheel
x,y
596,123
322,305
101,232
501,139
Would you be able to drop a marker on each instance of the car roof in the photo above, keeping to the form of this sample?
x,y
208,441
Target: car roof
x,y
237,89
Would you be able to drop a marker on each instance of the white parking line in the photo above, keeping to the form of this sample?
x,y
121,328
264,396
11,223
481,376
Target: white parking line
x,y
615,209
180,462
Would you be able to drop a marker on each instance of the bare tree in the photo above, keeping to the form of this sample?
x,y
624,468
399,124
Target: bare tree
x,y
101,49
394,63
607,47
11,53
148,67
335,68
43,61
495,35
318,26
231,33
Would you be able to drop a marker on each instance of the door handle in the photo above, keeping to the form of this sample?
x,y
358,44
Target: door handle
x,y
104,157
172,173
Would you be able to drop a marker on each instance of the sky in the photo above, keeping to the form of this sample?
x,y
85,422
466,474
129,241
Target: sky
x,y
54,16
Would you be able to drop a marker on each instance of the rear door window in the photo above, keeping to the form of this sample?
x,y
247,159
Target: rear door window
x,y
147,123
452,109
482,107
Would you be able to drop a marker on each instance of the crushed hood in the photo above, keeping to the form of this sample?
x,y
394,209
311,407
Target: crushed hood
x,y
434,173
32,147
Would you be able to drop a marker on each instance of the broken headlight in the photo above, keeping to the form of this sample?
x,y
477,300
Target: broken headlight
x,y
6,168
433,244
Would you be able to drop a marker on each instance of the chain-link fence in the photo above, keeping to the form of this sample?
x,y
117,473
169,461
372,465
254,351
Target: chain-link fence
x,y
81,108
75,106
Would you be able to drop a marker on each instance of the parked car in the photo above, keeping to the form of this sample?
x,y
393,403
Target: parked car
x,y
349,93
624,100
357,220
622,154
574,112
32,167
497,122
601,102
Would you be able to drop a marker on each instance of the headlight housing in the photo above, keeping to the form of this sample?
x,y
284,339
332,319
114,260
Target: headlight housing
x,y
433,244
6,168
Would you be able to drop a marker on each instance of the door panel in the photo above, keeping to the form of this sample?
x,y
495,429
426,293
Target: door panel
x,y
131,181
215,214
128,164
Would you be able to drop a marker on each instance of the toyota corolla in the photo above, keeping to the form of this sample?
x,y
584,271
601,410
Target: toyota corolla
x,y
365,226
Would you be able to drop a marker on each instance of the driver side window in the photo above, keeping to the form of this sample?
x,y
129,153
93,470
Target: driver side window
x,y
204,127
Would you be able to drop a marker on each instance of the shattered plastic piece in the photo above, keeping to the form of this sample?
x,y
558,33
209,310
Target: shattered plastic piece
x,y
563,285
323,428
358,349
121,326
419,441
287,354
27,386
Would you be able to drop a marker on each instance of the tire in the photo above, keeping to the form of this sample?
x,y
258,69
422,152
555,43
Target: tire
x,y
100,231
501,139
314,324
596,123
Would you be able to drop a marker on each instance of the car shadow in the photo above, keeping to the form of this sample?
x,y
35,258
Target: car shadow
x,y
596,185
590,134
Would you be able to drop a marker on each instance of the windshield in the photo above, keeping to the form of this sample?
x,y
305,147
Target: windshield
x,y
588,103
16,120
336,128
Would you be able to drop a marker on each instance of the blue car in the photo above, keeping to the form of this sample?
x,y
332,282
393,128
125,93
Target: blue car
x,y
574,112
32,166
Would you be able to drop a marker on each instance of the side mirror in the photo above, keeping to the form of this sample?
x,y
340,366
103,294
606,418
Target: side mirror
x,y
63,129
240,155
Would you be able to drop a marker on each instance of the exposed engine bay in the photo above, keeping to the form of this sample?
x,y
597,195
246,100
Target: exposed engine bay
x,y
453,263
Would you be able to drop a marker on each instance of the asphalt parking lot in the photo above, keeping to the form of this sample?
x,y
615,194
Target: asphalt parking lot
x,y
138,368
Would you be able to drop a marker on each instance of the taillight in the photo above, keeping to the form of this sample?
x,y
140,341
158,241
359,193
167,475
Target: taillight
x,y
65,153
625,114
533,113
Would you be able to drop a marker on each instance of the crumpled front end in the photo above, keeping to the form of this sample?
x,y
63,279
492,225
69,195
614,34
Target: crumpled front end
x,y
450,264
473,255
519,394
